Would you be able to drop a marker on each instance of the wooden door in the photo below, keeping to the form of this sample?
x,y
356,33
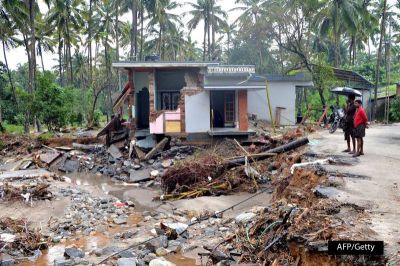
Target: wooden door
x,y
229,108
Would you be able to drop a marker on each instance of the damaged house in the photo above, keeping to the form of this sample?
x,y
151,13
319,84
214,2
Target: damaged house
x,y
199,100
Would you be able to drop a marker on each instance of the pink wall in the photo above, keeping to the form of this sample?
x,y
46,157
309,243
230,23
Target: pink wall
x,y
157,127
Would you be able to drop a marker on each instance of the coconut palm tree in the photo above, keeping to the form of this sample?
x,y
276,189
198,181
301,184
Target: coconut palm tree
x,y
8,37
65,17
162,21
335,18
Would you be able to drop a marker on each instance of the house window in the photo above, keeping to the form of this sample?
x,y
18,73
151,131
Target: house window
x,y
170,100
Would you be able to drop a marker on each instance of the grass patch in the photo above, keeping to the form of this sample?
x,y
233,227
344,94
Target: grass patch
x,y
13,129
2,145
45,136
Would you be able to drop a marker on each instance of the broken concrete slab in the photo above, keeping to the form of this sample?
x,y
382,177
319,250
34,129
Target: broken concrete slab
x,y
146,143
49,157
114,152
70,166
30,173
325,192
140,176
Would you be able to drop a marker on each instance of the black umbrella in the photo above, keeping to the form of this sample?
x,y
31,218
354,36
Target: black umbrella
x,y
346,91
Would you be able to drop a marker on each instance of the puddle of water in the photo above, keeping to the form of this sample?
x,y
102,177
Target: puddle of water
x,y
179,259
86,243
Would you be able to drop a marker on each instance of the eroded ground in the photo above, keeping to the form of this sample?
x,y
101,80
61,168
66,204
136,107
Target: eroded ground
x,y
108,211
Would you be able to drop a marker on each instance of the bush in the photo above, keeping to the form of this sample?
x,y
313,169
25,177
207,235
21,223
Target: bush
x,y
44,137
395,110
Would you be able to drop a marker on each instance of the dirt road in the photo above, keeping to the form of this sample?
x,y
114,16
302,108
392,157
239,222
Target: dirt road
x,y
379,192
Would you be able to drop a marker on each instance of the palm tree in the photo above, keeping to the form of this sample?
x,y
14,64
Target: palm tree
x,y
163,21
8,40
64,15
252,11
43,38
379,56
335,18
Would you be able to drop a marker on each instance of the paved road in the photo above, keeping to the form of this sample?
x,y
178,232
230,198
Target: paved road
x,y
380,193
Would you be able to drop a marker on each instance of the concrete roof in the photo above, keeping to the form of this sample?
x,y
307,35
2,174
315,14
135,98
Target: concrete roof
x,y
231,82
161,64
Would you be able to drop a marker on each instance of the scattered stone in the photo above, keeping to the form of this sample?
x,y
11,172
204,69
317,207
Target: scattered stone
x,y
126,262
224,229
61,262
109,250
161,262
6,260
149,257
127,254
166,163
120,220
130,203
244,218
154,173
74,253
161,252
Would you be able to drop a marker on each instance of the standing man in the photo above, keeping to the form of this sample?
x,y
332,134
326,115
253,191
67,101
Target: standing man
x,y
360,124
348,128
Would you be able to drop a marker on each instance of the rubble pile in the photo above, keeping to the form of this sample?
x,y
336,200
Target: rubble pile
x,y
26,190
297,226
87,214
14,145
18,238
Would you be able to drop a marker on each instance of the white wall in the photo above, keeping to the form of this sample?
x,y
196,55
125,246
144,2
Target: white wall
x,y
197,112
282,94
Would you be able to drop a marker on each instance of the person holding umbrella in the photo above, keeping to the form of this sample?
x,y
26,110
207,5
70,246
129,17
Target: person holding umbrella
x,y
350,111
360,124
348,126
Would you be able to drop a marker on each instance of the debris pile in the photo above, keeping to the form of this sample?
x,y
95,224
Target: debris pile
x,y
16,236
87,214
210,174
297,226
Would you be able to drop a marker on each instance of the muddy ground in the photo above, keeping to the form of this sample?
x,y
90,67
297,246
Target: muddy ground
x,y
93,216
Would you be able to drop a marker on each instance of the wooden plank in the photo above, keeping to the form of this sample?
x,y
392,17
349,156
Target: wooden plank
x,y
159,147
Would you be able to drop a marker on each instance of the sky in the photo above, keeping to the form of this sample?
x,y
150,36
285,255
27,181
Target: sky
x,y
18,55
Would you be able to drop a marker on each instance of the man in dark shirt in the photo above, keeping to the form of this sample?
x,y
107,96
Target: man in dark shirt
x,y
348,128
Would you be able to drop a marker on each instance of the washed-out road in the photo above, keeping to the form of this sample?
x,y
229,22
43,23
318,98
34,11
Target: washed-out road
x,y
379,191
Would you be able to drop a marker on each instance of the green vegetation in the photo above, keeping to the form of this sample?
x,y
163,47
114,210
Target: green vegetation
x,y
280,37
13,129
45,136
394,114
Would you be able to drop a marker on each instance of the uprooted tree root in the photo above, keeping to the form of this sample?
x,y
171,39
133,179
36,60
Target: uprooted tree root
x,y
296,228
33,190
183,176
26,239
206,175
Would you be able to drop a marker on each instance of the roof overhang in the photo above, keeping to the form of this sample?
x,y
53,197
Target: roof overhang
x,y
158,64
230,88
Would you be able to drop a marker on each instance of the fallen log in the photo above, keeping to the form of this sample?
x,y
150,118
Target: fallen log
x,y
281,149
